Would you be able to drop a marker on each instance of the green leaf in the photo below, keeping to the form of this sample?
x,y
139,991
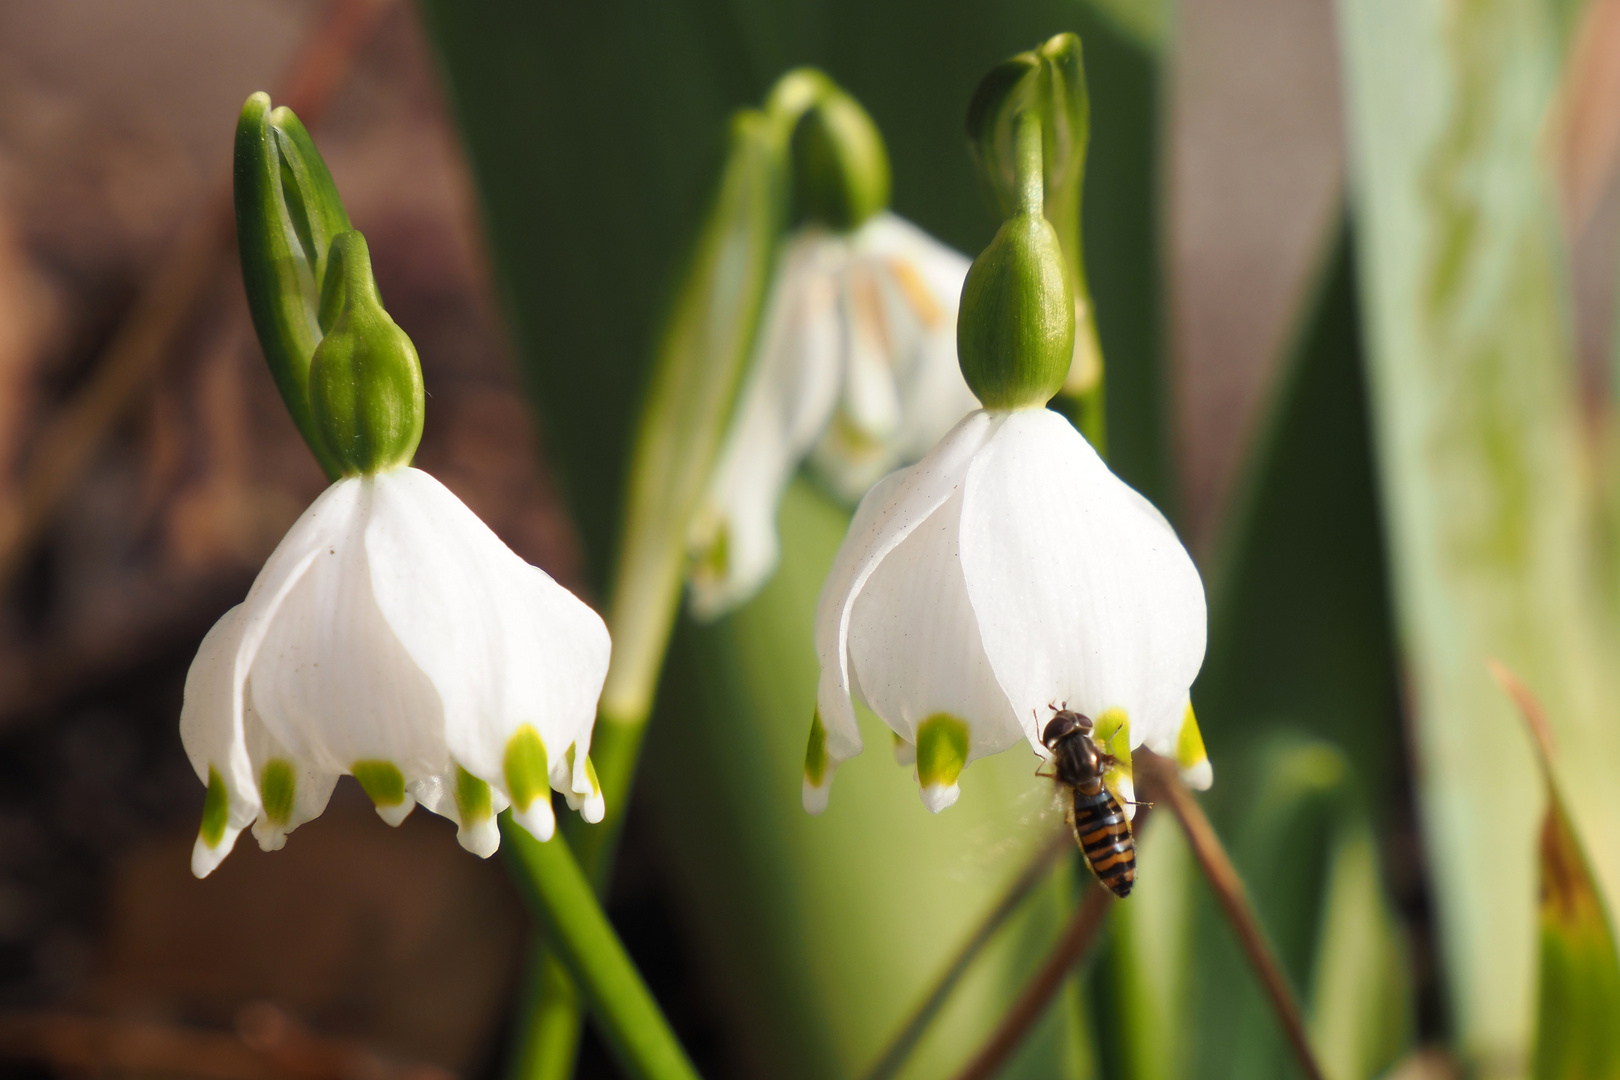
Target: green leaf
x,y
287,213
699,362
1478,437
1578,987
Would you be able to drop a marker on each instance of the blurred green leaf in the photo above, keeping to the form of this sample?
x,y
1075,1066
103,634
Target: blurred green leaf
x,y
1304,848
700,360
1578,1007
1479,446
1143,980
1361,997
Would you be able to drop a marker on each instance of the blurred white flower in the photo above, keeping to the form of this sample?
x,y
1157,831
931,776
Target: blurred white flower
x,y
855,369
1006,573
393,637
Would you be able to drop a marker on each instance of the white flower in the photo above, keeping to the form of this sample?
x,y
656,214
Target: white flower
x,y
855,368
393,637
1006,573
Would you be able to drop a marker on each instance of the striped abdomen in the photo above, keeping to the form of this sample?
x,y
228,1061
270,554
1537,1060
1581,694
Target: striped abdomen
x,y
1105,839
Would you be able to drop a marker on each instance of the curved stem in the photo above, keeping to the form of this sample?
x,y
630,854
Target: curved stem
x,y
579,933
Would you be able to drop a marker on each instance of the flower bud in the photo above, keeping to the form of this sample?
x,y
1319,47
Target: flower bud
x,y
287,213
365,382
841,169
1015,328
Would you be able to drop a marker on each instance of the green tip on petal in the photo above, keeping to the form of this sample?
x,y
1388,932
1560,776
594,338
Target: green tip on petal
x,y
216,810
942,752
594,808
1113,735
818,768
1191,757
526,767
528,782
278,783
383,781
815,754
473,801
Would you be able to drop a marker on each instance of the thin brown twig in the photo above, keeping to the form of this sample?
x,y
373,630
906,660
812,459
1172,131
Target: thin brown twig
x,y
143,340
1032,1003
1234,900
267,1045
910,1034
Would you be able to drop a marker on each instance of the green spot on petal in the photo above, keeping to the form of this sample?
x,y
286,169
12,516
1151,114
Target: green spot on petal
x,y
473,801
1113,736
382,780
216,809
527,774
1190,743
590,774
277,785
815,754
942,750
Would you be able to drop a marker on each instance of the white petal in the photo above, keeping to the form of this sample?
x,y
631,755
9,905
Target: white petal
x,y
332,681
1083,592
939,797
212,734
782,409
478,833
293,790
504,645
888,514
904,389
914,642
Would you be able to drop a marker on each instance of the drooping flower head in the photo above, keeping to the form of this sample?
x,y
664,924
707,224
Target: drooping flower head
x,y
391,636
1008,573
854,367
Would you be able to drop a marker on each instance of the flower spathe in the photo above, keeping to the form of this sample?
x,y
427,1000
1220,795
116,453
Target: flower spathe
x,y
393,637
854,369
1006,573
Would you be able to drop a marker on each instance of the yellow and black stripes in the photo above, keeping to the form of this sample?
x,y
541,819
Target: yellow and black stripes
x,y
1105,839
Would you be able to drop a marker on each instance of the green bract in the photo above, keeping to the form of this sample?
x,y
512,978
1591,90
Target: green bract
x,y
287,213
365,382
1015,328
841,169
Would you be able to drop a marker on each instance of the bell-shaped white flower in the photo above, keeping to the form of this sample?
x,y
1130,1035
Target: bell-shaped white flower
x,y
393,637
1006,574
854,368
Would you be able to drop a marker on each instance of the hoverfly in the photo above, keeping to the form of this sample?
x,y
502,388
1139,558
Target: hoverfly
x,y
1098,821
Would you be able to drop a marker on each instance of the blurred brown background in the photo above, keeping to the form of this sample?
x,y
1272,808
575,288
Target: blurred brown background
x,y
139,492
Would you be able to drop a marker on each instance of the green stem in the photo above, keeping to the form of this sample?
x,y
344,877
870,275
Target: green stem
x,y
581,936
549,1037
